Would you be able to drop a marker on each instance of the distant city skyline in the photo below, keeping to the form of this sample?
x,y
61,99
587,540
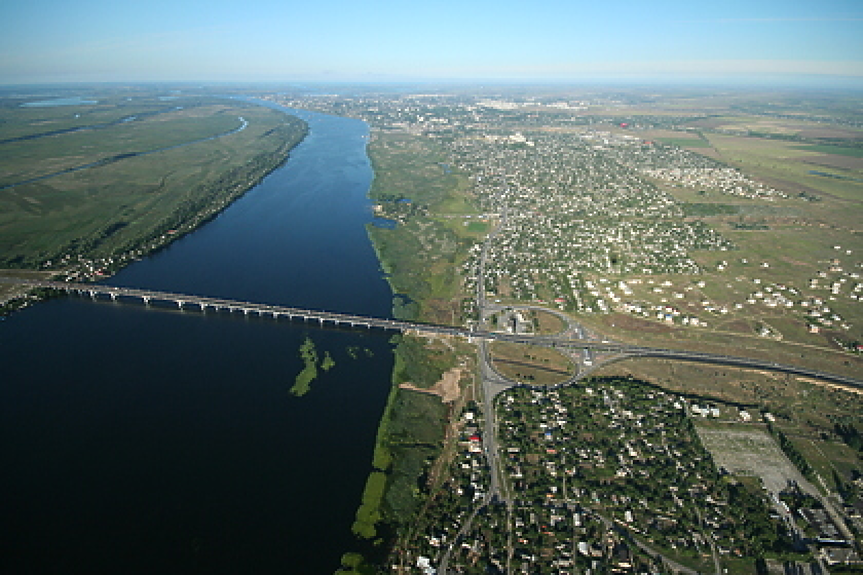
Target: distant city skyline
x,y
760,42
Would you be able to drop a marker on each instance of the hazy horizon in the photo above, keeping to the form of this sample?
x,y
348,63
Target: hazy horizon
x,y
664,42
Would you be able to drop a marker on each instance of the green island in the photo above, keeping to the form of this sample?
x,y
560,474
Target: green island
x,y
303,380
354,351
328,362
158,168
729,226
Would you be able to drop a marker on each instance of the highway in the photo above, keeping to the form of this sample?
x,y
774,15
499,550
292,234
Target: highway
x,y
571,340
565,342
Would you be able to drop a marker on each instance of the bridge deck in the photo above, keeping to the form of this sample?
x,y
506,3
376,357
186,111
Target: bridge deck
x,y
276,311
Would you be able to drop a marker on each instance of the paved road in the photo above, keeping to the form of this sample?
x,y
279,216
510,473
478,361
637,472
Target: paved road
x,y
564,342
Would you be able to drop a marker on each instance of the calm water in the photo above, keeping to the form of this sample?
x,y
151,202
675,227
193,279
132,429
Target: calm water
x,y
74,101
136,440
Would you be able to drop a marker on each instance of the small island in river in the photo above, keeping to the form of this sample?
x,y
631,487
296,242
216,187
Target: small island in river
x,y
304,379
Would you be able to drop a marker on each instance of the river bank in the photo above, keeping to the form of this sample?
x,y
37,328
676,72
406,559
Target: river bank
x,y
203,203
419,256
140,438
152,178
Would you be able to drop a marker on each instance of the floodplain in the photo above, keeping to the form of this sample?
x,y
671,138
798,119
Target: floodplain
x,y
85,188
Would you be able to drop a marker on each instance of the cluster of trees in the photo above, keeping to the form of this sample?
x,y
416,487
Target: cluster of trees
x,y
850,435
793,454
764,535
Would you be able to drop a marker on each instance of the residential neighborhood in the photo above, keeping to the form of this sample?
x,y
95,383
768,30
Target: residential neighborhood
x,y
611,477
582,214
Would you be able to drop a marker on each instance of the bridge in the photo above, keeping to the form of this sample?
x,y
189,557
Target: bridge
x,y
203,303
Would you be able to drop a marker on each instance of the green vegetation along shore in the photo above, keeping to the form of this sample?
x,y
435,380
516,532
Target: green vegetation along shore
x,y
157,170
420,255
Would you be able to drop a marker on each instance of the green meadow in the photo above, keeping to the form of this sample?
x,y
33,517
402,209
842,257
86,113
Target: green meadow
x,y
126,205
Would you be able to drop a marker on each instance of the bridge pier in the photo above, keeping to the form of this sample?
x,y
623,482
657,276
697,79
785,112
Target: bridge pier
x,y
202,305
473,335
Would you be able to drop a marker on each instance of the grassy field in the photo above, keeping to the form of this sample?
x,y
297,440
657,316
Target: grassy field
x,y
685,142
25,159
788,166
530,364
828,459
837,150
126,205
422,254
547,323
733,340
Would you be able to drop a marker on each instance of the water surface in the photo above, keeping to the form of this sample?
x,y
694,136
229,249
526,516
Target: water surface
x,y
136,440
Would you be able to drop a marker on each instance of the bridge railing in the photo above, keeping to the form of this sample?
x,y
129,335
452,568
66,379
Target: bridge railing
x,y
434,329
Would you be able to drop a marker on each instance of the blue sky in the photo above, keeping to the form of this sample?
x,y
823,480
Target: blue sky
x,y
340,40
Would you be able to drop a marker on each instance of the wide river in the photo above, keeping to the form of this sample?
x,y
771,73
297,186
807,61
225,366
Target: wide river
x,y
140,440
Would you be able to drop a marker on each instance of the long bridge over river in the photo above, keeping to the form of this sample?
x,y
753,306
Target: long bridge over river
x,y
203,303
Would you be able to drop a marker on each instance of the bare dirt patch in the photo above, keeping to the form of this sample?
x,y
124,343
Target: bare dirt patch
x,y
446,388
751,452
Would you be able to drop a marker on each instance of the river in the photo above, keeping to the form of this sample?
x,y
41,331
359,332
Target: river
x,y
142,440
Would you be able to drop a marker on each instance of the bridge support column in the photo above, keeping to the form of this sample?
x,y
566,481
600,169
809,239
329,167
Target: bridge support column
x,y
146,299
92,294
203,306
113,296
180,303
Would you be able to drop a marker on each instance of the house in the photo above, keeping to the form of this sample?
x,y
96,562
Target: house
x,y
424,564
